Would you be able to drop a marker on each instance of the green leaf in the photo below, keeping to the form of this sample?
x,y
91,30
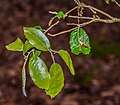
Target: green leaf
x,y
57,80
17,45
107,1
60,14
24,80
38,27
37,52
39,72
27,46
79,42
67,59
37,38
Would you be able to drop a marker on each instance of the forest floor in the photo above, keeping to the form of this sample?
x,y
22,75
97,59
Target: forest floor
x,y
97,79
96,83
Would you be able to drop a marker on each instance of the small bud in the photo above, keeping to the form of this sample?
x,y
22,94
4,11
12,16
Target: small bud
x,y
83,44
50,22
38,27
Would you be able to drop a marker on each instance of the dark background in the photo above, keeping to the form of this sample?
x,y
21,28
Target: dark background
x,y
97,79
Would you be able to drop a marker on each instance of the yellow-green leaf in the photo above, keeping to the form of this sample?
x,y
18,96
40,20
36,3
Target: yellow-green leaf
x,y
39,72
37,38
107,1
17,45
67,59
57,80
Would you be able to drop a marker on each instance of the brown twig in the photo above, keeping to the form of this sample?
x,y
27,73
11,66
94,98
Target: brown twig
x,y
95,17
76,1
116,3
54,51
97,10
62,32
51,26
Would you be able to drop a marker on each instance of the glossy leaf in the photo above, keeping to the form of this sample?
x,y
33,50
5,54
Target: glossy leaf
x,y
17,45
39,72
57,80
79,42
27,46
60,14
107,1
67,59
24,80
37,38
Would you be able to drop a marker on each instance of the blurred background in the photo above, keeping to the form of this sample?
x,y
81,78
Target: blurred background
x,y
97,79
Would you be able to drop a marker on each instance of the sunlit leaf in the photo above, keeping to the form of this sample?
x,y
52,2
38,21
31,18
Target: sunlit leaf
x,y
39,72
57,80
79,42
107,1
17,45
67,59
37,38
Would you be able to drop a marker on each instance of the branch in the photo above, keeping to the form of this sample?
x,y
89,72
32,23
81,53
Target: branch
x,y
97,10
62,32
51,27
114,19
99,20
76,2
116,3
79,25
95,18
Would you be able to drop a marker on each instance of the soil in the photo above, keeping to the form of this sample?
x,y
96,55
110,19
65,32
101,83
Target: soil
x,y
97,79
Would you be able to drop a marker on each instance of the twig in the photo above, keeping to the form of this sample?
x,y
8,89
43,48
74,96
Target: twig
x,y
90,18
95,18
66,14
52,56
24,72
54,51
51,26
76,17
90,7
116,3
78,20
76,2
51,12
71,16
83,24
62,32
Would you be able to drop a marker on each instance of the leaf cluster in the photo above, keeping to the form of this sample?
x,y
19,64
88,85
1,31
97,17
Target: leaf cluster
x,y
52,81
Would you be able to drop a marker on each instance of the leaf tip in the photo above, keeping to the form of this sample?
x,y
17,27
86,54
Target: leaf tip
x,y
6,47
107,1
24,93
73,73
